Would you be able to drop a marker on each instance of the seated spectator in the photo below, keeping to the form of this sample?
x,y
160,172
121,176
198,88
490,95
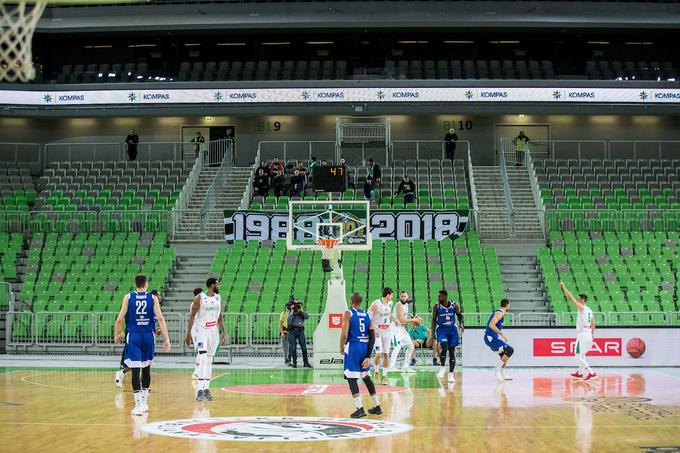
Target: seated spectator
x,y
369,193
265,168
261,183
301,168
419,336
279,183
276,166
324,163
408,187
297,184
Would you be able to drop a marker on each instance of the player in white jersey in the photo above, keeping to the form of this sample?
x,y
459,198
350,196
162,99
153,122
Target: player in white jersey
x,y
206,315
380,312
585,329
194,375
400,318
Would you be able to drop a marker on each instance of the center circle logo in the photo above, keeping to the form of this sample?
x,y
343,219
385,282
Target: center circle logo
x,y
275,429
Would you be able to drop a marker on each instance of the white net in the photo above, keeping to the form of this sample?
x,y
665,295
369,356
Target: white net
x,y
17,24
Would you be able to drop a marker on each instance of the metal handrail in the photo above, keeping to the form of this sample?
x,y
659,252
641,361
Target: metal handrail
x,y
248,194
217,185
535,189
473,190
174,151
506,188
635,143
418,143
117,148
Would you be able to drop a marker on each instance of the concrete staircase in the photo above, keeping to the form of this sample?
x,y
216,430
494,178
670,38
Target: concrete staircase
x,y
522,277
527,223
493,218
190,271
190,224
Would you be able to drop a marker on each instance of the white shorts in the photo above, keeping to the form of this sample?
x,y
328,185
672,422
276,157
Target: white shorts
x,y
207,339
584,341
401,336
383,343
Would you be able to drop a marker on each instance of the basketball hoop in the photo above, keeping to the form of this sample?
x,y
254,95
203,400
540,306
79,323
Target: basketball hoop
x,y
17,24
330,256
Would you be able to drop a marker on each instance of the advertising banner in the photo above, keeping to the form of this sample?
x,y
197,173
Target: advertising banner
x,y
402,225
555,347
338,95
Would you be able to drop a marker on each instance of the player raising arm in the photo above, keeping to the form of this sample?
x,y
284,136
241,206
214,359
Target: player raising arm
x,y
139,309
380,312
585,330
356,343
492,337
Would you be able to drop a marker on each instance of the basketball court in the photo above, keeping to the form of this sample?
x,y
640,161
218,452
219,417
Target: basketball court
x,y
263,409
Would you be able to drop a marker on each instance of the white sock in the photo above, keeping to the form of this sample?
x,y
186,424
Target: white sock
x,y
443,369
145,395
358,403
206,384
375,400
138,398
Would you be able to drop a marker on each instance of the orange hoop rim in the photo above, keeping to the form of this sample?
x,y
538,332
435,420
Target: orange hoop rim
x,y
329,243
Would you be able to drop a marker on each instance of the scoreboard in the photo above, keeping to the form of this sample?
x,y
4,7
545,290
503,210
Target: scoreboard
x,y
330,178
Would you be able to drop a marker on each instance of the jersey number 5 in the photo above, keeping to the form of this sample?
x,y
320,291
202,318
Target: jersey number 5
x,y
362,326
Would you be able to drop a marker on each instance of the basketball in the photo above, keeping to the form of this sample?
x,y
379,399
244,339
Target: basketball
x,y
418,322
635,347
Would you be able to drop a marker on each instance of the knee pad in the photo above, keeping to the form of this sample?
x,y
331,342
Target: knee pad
x,y
509,351
353,386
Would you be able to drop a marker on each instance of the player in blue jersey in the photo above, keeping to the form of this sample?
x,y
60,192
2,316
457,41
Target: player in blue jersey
x,y
356,343
492,338
139,309
444,329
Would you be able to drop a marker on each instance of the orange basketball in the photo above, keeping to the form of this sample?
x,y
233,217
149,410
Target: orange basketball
x,y
635,347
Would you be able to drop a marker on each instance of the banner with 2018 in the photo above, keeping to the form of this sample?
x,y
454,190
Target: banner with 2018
x,y
384,225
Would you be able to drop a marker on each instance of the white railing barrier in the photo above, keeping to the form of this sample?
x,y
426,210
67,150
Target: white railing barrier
x,y
287,150
21,152
527,319
569,319
647,318
217,186
644,149
426,149
83,151
64,328
239,329
506,189
248,194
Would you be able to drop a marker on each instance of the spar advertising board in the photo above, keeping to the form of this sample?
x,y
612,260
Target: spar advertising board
x,y
627,347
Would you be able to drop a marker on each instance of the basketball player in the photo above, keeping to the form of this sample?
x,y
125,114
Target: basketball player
x,y
139,309
494,325
400,334
585,328
380,312
356,343
120,374
444,324
194,375
206,314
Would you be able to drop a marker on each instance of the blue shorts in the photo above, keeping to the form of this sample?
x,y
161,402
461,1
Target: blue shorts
x,y
355,353
449,336
139,350
495,343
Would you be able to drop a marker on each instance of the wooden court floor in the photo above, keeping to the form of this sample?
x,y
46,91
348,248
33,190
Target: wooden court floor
x,y
80,410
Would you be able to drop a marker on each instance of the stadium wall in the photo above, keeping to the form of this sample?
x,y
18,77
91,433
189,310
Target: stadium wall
x,y
480,130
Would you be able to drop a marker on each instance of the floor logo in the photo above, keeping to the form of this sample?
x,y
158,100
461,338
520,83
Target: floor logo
x,y
275,429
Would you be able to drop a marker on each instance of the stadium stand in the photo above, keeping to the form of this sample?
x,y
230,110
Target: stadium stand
x,y
71,275
470,272
207,71
87,186
609,184
621,272
16,187
441,184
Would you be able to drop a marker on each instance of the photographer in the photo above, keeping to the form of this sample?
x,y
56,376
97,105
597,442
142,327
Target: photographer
x,y
296,332
283,332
